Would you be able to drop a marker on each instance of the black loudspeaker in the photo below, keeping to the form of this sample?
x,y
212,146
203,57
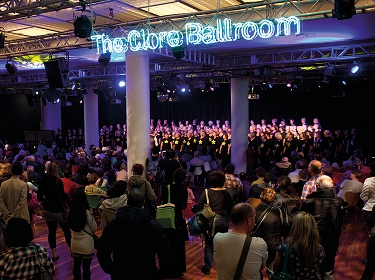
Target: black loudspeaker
x,y
31,100
51,94
344,9
57,72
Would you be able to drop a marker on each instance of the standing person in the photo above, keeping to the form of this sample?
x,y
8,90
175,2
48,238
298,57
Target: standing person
x,y
130,241
370,257
305,252
228,246
69,185
169,164
315,170
52,196
368,195
178,236
83,226
138,181
221,202
21,258
271,226
328,214
13,195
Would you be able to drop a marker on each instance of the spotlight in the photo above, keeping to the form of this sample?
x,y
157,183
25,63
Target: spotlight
x,y
97,90
178,52
121,83
343,9
56,101
264,86
104,58
289,85
183,89
10,67
82,27
355,68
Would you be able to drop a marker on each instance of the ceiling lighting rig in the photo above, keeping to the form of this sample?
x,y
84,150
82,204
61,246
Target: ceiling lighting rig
x,y
83,24
11,68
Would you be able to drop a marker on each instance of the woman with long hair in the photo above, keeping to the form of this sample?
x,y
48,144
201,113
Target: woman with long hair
x,y
52,196
270,227
83,227
305,252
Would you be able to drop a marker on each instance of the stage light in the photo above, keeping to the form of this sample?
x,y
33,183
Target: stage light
x,y
264,86
56,101
355,68
121,83
343,9
343,82
289,85
178,52
82,27
104,58
10,67
74,85
183,89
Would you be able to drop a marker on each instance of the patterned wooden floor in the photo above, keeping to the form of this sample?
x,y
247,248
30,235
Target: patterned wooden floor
x,y
349,261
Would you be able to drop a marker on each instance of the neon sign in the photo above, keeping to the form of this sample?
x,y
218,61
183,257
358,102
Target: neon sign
x,y
196,33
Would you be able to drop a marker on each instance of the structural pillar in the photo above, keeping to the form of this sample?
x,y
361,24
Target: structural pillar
x,y
91,118
239,122
137,107
51,116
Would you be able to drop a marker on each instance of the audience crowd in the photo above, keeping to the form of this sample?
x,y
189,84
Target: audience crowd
x,y
297,181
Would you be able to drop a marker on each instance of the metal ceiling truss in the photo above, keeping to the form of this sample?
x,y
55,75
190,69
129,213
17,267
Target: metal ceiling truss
x,y
308,56
264,64
304,9
14,9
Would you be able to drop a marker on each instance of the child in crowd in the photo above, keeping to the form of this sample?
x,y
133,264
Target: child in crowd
x,y
188,214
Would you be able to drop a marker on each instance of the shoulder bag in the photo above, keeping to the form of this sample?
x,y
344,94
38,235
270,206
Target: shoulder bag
x,y
261,218
241,262
44,275
283,275
96,239
165,213
205,219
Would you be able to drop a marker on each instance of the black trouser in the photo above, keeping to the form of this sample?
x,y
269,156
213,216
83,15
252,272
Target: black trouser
x,y
370,265
52,228
86,263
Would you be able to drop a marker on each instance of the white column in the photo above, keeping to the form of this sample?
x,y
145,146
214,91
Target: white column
x,y
239,122
51,116
91,118
137,107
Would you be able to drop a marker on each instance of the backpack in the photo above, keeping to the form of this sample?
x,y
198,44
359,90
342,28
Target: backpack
x,y
154,173
287,210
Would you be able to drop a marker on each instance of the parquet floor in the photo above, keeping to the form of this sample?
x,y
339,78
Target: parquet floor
x,y
349,260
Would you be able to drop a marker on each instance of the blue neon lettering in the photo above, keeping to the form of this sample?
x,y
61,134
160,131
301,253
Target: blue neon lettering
x,y
175,38
193,33
208,35
197,33
270,29
283,25
132,39
249,35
